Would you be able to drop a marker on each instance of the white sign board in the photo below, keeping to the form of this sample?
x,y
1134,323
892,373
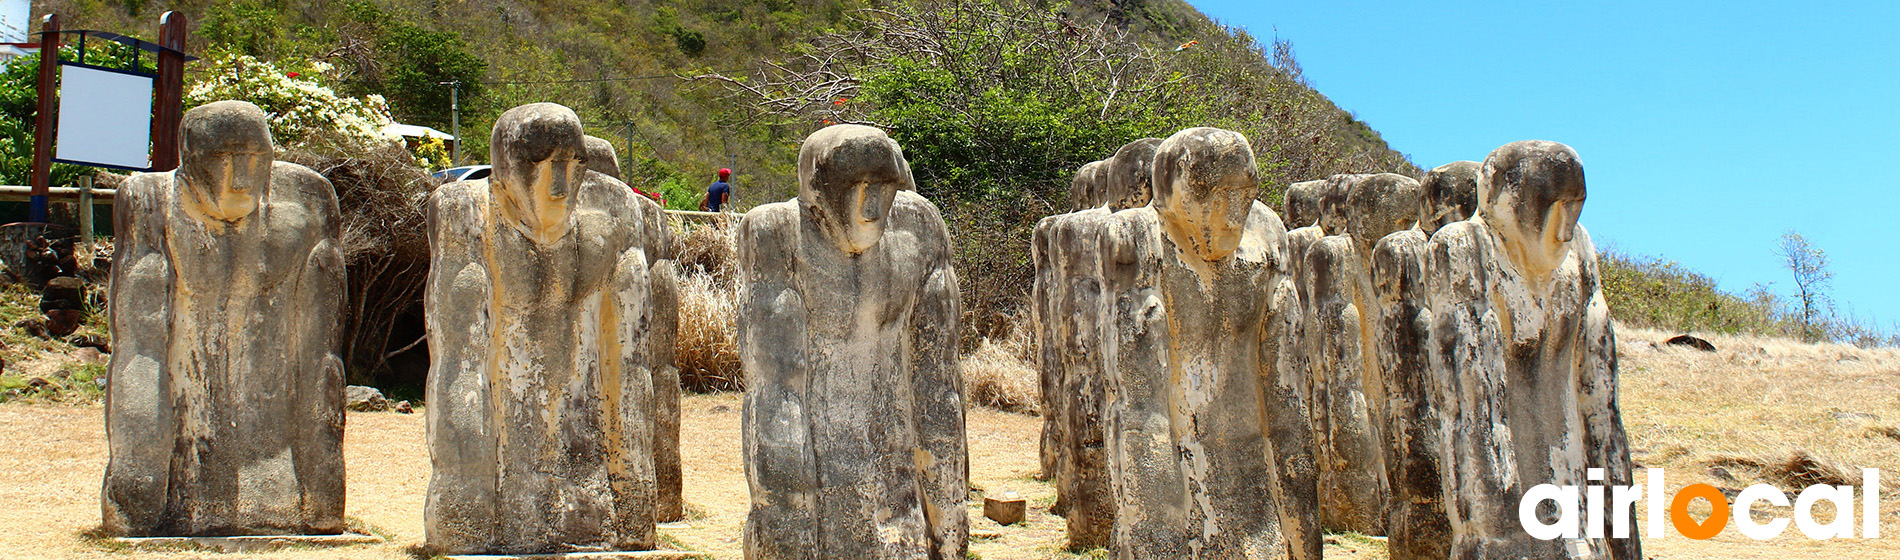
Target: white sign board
x,y
105,118
15,26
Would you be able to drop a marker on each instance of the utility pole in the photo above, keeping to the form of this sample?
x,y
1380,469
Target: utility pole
x,y
455,121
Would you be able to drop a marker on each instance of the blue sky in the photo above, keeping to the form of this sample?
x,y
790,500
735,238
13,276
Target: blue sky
x,y
1706,129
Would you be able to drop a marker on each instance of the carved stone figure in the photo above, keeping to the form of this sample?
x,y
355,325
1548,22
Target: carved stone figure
x,y
1301,207
1086,190
1347,443
1073,317
225,411
854,433
1129,174
1449,194
1415,519
1209,443
543,302
602,159
1522,342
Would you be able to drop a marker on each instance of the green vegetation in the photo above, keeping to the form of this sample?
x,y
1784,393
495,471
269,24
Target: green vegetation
x,y
1660,293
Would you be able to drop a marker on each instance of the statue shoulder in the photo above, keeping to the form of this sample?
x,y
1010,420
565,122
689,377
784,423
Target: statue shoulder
x,y
306,183
145,188
460,200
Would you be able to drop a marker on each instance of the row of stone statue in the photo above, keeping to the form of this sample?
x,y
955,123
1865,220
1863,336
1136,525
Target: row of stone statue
x,y
553,419
1394,358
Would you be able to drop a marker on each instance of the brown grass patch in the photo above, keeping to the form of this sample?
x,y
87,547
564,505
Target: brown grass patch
x,y
998,375
706,353
1799,469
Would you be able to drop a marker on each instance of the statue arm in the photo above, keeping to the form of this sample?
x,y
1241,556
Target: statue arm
x,y
1288,422
780,463
629,318
140,425
1606,444
937,385
319,300
461,419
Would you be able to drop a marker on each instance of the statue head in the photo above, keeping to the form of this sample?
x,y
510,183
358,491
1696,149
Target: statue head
x,y
1130,175
1332,205
225,159
1531,193
601,157
1205,181
1084,191
848,175
1449,194
1378,205
540,161
1301,208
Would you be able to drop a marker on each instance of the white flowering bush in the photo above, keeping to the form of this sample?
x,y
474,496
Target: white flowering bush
x,y
300,108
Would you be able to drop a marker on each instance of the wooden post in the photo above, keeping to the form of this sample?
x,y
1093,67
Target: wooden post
x,y
85,214
43,120
168,102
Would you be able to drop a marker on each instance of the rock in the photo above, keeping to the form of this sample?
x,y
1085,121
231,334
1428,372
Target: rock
x,y
541,395
37,382
1205,365
358,398
35,326
1538,397
1843,416
403,407
277,374
823,383
62,322
63,292
87,355
90,340
1690,342
1007,511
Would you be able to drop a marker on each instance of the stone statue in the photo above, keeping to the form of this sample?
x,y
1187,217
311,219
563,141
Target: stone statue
x,y
1209,443
1085,191
543,303
1301,207
1522,342
1415,519
1449,194
854,433
602,159
668,505
1129,173
1074,323
225,411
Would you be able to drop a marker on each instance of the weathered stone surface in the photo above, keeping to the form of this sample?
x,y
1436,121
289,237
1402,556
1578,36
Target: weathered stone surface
x,y
1301,207
601,157
669,503
1086,190
542,313
1415,518
1073,318
1129,174
225,411
854,432
245,544
1347,443
1209,442
364,399
1522,341
1448,194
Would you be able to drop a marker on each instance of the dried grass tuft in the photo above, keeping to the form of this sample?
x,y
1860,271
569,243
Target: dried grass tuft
x,y
1799,469
1000,375
706,353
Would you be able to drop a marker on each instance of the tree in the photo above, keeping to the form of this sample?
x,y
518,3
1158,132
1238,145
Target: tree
x,y
1809,265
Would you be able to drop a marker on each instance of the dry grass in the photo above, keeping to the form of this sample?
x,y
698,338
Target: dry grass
x,y
1002,375
706,355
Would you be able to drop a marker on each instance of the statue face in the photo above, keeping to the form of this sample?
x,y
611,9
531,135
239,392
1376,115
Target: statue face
x,y
225,160
847,177
1531,193
1331,204
1205,181
540,160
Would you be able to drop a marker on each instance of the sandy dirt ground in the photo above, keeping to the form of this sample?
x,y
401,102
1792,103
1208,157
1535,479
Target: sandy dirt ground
x,y
1687,412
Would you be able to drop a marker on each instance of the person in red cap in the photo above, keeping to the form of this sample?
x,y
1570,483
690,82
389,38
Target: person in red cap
x,y
717,195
